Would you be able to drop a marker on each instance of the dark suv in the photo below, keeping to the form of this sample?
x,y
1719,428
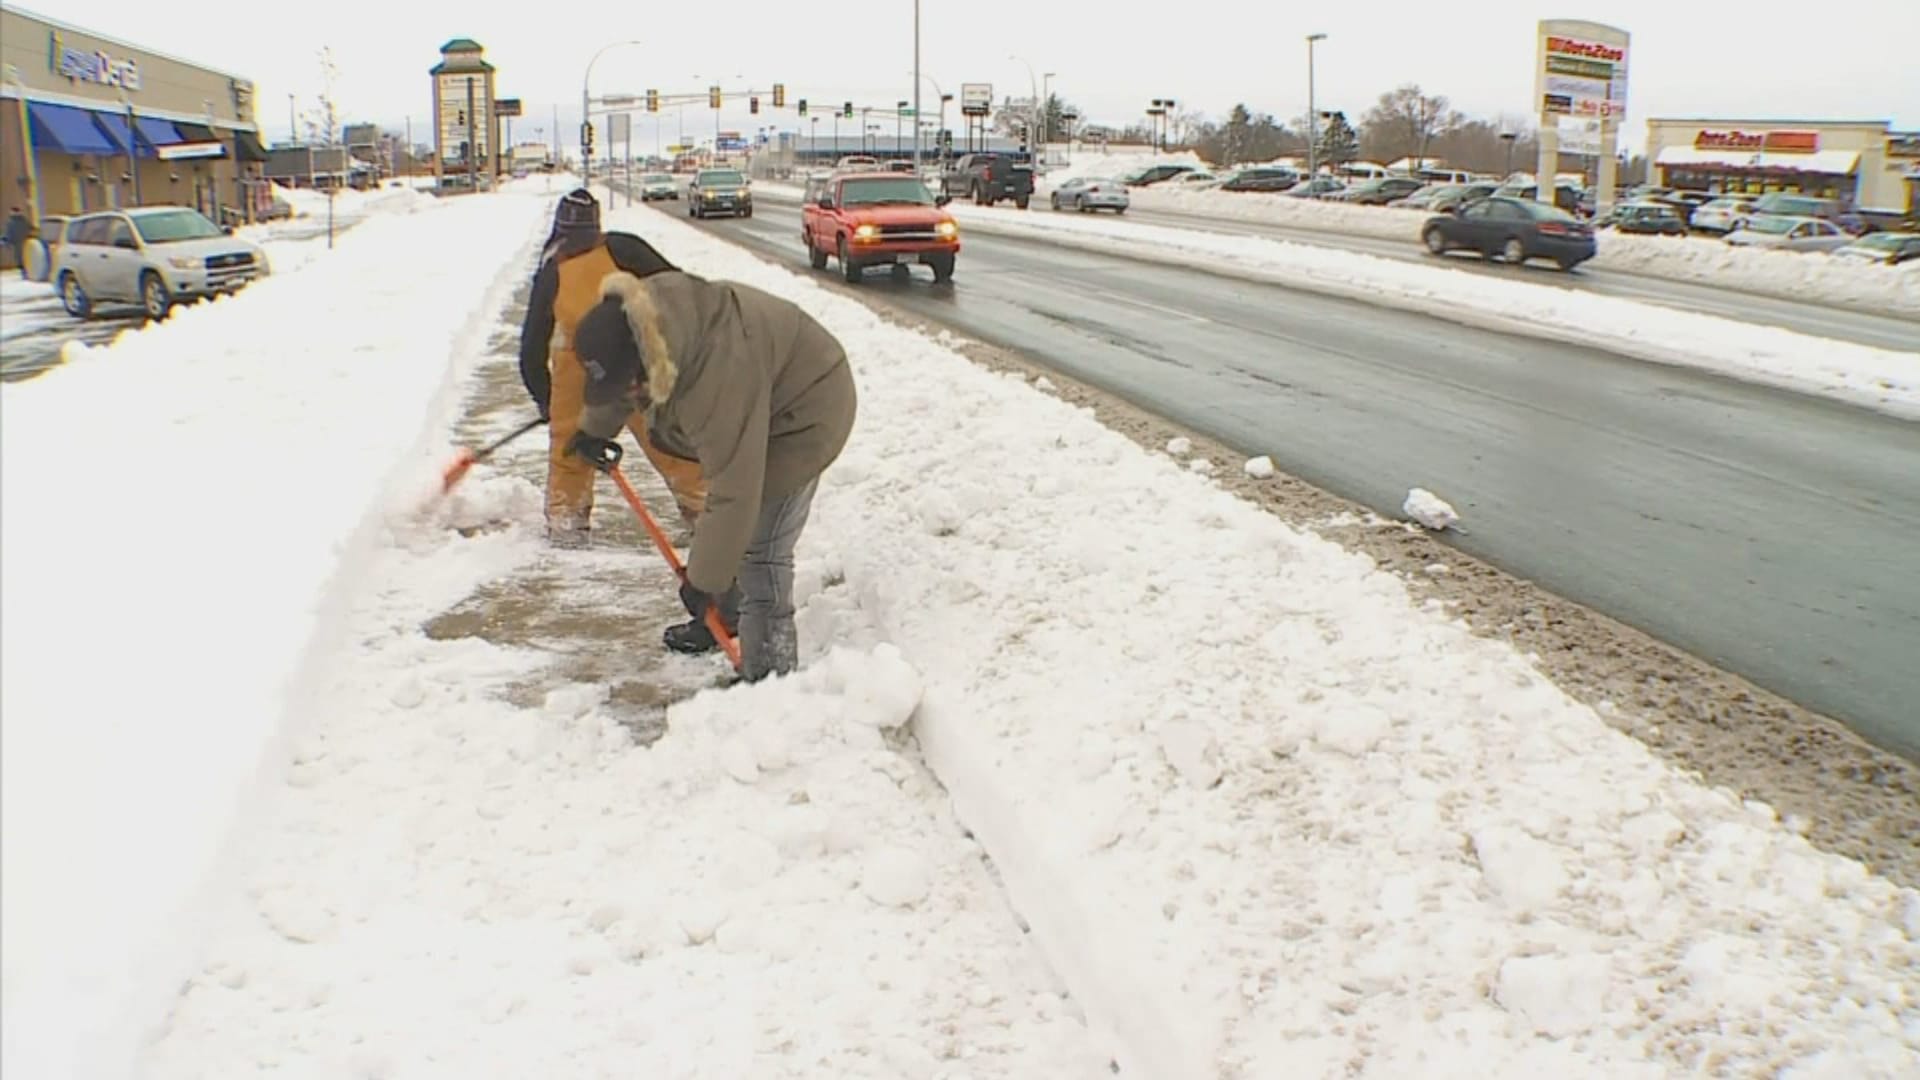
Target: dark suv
x,y
988,178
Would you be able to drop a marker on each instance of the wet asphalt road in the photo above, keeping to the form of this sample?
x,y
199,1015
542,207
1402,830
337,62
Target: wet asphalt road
x,y
1820,320
1770,533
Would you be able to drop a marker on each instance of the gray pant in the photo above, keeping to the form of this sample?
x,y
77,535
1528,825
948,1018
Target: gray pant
x,y
768,642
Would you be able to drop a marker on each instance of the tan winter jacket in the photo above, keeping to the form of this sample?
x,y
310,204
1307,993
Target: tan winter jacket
x,y
741,380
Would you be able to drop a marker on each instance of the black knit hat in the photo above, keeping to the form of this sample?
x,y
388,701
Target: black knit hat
x,y
606,347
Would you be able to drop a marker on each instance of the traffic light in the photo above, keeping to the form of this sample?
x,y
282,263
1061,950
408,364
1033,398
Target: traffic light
x,y
753,104
713,97
779,95
847,110
803,106
586,138
653,101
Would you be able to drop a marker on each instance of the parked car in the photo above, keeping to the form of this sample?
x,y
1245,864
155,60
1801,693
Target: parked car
x,y
1088,193
1787,204
1782,233
719,191
1654,218
1421,199
989,178
658,185
1565,196
1377,192
1317,188
154,256
1154,174
1195,180
1260,178
1722,215
876,219
1514,230
1459,195
1883,247
900,165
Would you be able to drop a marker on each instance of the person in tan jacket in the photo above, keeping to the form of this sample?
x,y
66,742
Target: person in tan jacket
x,y
754,389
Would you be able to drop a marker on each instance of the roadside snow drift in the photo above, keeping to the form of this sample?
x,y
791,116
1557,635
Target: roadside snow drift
x,y
1859,374
180,508
1268,817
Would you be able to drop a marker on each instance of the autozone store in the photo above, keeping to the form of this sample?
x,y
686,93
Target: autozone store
x,y
90,122
1863,163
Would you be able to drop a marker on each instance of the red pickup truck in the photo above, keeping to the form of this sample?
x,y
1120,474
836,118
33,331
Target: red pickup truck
x,y
878,219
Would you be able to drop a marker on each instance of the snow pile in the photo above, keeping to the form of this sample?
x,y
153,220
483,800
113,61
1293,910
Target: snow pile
x,y
1429,510
1266,816
308,203
1791,275
1090,161
1859,374
166,567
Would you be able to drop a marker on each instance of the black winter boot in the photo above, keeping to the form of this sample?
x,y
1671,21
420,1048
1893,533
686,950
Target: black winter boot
x,y
691,637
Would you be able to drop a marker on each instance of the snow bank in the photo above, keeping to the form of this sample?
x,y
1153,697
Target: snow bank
x,y
1270,818
1790,275
1089,161
1862,375
178,505
308,203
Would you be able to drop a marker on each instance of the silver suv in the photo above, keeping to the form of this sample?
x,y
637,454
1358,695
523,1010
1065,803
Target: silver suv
x,y
154,256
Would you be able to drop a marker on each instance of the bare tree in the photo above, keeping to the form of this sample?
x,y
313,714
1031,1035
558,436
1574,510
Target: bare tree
x,y
1404,122
323,119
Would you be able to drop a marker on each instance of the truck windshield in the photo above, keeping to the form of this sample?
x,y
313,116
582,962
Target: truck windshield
x,y
722,178
175,225
878,191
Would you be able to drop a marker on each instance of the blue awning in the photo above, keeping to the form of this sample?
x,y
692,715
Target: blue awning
x,y
157,133
115,125
68,130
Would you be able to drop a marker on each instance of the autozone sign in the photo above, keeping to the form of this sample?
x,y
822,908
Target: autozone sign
x,y
1591,50
1790,142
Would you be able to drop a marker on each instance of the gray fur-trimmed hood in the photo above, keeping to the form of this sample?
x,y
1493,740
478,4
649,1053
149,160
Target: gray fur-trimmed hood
x,y
643,317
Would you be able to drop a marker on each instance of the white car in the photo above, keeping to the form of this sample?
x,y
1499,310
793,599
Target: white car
x,y
154,256
1089,193
1722,215
1782,233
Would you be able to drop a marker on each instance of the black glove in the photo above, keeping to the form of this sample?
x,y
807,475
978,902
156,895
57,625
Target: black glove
x,y
602,454
695,601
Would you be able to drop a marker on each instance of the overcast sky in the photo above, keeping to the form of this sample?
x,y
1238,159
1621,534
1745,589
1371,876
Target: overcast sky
x,y
1686,59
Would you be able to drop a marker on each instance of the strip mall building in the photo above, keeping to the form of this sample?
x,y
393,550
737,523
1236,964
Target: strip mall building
x,y
1865,163
89,122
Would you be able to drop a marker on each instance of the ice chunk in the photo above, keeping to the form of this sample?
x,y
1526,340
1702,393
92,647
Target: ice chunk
x,y
1430,510
1180,446
1260,468
896,877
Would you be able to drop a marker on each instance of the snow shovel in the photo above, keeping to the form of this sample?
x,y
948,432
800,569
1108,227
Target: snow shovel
x,y
715,625
467,458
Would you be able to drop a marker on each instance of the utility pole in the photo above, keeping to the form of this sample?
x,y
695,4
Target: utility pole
x,y
293,127
473,149
916,88
1313,115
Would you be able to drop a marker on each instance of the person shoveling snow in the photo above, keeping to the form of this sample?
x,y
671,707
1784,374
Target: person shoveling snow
x,y
758,393
1429,510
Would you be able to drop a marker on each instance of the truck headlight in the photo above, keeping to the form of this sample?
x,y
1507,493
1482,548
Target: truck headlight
x,y
946,228
866,232
181,262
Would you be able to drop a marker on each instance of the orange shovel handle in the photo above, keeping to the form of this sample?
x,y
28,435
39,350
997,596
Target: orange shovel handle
x,y
714,623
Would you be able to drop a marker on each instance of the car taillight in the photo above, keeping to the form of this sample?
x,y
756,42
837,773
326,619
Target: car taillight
x,y
1551,228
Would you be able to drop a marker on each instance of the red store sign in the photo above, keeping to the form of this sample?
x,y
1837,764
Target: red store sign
x,y
1790,142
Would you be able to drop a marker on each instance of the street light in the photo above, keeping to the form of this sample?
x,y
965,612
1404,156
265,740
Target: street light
x,y
586,102
1046,114
1509,137
1033,92
899,115
1313,116
916,88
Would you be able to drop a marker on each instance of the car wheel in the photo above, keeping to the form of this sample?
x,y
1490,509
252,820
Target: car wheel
x,y
1567,265
1435,240
1514,251
155,300
1020,202
748,212
1118,210
900,271
1056,202
73,296
848,268
816,257
693,211
942,269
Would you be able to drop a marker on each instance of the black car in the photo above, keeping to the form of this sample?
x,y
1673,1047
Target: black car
x,y
1154,174
1260,178
1459,195
1514,230
719,191
988,178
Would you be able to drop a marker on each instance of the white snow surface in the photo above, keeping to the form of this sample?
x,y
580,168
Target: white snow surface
x,y
1344,836
1430,510
168,568
1330,834
1875,378
1793,275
